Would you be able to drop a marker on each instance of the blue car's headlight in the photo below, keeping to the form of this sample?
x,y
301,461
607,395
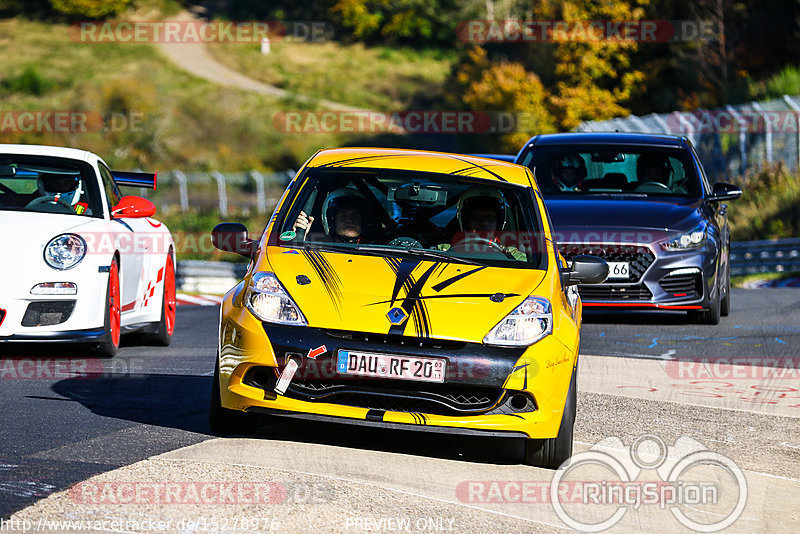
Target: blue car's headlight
x,y
695,238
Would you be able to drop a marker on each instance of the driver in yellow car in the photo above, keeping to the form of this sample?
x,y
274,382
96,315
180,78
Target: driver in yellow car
x,y
482,210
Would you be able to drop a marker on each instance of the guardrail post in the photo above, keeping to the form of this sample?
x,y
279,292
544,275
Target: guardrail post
x,y
261,198
796,108
767,127
182,190
223,194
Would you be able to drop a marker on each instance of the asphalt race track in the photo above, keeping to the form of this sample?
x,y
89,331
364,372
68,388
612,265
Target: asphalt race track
x,y
733,389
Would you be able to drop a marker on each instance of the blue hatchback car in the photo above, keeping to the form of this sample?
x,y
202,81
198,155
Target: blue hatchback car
x,y
643,203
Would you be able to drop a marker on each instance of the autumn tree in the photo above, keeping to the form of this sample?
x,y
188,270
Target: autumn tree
x,y
594,76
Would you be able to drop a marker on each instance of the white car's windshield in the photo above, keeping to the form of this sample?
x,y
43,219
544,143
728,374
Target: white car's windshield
x,y
49,185
447,218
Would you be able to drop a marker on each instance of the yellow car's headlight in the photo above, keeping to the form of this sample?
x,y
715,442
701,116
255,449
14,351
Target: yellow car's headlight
x,y
268,301
528,323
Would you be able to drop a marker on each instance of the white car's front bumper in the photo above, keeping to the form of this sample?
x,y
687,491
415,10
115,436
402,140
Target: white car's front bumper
x,y
85,321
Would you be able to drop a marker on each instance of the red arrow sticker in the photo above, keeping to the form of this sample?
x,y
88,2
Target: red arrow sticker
x,y
313,353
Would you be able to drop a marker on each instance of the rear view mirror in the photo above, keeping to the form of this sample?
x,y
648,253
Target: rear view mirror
x,y
131,206
430,195
585,270
723,191
232,237
7,171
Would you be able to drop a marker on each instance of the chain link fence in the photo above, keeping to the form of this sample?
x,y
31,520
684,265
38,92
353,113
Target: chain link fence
x,y
730,141
245,192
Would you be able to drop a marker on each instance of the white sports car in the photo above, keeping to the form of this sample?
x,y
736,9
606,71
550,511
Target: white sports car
x,y
82,263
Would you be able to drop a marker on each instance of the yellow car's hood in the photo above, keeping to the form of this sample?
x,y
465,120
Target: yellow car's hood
x,y
423,298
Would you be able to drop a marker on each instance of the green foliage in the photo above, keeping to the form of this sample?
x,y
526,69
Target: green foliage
x,y
388,21
786,82
770,206
91,8
30,81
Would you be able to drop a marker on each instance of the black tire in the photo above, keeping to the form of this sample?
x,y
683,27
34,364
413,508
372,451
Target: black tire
x,y
225,422
107,348
725,304
551,453
710,316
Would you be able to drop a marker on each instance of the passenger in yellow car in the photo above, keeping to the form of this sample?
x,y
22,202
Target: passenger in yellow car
x,y
481,212
346,210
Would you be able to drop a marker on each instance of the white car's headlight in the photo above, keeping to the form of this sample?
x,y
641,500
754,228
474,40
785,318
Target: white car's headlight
x,y
528,323
65,251
695,238
268,301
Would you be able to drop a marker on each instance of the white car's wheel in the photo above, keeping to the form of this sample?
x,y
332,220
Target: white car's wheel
x,y
112,323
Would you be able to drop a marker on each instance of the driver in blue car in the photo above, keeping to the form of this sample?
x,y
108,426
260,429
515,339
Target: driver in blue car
x,y
568,173
482,212
346,210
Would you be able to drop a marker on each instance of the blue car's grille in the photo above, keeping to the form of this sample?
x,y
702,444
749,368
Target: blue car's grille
x,y
591,293
638,256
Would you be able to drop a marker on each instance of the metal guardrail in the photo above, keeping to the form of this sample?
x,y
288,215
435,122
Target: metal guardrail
x,y
210,277
753,257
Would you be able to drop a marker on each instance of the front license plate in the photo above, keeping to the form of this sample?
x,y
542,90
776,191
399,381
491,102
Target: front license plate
x,y
618,269
375,365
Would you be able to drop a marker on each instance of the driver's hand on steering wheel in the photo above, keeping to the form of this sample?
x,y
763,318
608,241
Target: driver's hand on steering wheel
x,y
304,223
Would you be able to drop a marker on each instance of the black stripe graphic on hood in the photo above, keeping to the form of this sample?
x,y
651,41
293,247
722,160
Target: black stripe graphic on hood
x,y
330,280
441,285
412,303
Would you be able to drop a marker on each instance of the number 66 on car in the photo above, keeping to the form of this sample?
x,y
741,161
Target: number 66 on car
x,y
405,290
84,264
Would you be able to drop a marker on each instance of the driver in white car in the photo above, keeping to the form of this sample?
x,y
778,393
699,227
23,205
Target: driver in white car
x,y
64,189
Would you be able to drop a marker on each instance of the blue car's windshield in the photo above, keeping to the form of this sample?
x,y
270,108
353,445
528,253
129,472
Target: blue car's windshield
x,y
613,170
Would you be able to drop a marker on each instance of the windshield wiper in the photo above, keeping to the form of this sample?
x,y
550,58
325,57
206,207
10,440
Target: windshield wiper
x,y
422,252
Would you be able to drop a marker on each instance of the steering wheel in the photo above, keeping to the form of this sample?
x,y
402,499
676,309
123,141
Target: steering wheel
x,y
652,187
50,198
408,242
481,241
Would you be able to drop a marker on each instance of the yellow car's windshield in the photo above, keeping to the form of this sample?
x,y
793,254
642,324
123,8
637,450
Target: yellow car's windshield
x,y
449,218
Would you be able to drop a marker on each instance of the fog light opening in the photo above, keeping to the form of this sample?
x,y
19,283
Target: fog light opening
x,y
519,401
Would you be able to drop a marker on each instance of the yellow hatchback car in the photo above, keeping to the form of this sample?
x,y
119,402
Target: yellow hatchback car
x,y
407,290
